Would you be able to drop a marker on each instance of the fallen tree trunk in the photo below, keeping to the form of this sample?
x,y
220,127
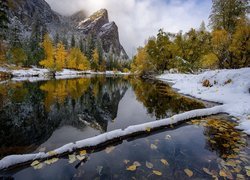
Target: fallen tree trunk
x,y
103,140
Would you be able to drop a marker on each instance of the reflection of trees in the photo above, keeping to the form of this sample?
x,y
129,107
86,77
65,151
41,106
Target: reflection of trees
x,y
59,90
161,100
222,137
30,112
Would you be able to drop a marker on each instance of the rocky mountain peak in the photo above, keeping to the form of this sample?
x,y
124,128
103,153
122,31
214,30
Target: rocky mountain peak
x,y
94,23
98,26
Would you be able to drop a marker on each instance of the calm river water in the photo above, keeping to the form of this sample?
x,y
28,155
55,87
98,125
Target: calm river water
x,y
42,116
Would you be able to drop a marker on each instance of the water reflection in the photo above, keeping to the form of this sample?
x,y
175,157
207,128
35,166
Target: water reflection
x,y
31,112
42,116
169,152
161,100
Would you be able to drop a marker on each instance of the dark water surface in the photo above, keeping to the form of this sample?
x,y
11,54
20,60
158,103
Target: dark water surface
x,y
42,116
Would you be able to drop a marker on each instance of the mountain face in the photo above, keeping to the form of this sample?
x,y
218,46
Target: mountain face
x,y
27,12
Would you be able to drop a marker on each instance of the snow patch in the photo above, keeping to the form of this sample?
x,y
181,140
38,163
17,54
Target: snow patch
x,y
229,87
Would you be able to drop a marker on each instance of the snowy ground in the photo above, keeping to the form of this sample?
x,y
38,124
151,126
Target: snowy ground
x,y
229,87
36,74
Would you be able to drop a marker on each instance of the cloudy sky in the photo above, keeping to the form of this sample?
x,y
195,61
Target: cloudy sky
x,y
139,19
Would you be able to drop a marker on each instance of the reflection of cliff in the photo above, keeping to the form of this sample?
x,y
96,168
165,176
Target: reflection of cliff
x,y
29,113
161,100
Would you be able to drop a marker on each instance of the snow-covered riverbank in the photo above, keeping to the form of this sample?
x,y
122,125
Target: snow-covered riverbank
x,y
229,87
34,74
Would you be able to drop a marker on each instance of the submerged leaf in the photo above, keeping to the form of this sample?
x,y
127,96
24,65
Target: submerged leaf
x,y
109,149
131,168
189,172
168,137
72,158
136,163
80,158
148,129
247,170
206,170
126,161
149,165
158,173
152,146
165,162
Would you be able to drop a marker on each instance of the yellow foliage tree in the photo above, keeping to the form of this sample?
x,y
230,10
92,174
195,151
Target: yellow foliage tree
x,y
141,64
240,47
209,61
220,43
60,57
77,60
48,62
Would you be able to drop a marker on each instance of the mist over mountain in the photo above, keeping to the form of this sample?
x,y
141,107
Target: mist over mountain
x,y
96,29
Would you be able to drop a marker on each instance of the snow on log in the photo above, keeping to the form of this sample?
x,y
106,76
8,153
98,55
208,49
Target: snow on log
x,y
15,160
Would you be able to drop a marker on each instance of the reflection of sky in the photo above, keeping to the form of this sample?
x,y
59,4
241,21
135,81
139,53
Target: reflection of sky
x,y
130,112
139,19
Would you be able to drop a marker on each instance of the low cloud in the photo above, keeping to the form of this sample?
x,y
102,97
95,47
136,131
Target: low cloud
x,y
139,19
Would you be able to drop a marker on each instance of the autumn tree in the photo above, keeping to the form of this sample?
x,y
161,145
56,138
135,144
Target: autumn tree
x,y
225,14
240,46
48,62
77,60
141,63
60,57
220,44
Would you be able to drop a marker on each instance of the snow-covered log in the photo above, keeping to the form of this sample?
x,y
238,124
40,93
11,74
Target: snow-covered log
x,y
107,138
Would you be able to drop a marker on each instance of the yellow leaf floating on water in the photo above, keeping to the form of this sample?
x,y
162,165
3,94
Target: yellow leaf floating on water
x,y
152,146
131,168
206,170
51,161
109,149
247,170
72,158
149,165
80,158
158,173
52,153
136,163
38,166
83,152
189,172
35,163
240,176
223,173
165,162
148,129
